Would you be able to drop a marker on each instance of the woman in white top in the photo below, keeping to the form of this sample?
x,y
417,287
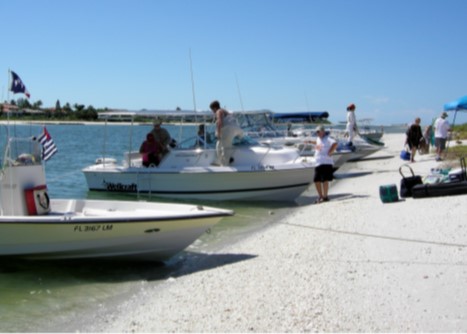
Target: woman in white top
x,y
351,127
324,171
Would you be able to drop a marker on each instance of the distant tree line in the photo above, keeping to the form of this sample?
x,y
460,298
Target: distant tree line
x,y
66,112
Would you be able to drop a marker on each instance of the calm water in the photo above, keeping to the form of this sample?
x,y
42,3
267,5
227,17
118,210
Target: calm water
x,y
46,296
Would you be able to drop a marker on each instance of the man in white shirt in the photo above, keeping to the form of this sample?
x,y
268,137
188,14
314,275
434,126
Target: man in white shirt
x,y
441,134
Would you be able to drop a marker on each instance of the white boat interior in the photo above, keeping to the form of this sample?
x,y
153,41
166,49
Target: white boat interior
x,y
258,125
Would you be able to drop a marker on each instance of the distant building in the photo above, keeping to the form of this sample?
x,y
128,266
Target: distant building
x,y
13,110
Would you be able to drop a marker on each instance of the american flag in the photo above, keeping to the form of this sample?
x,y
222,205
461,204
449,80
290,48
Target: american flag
x,y
48,145
17,85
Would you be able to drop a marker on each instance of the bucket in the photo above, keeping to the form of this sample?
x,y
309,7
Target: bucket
x,y
388,193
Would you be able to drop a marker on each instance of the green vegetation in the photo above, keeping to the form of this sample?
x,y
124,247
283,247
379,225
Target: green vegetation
x,y
460,131
22,109
455,151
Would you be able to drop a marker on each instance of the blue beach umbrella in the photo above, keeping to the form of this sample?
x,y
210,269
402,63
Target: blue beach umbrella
x,y
459,104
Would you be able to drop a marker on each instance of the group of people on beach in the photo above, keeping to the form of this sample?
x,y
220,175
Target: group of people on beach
x,y
158,140
416,140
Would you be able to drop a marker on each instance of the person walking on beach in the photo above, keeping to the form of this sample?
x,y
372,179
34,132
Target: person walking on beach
x,y
441,134
324,171
414,136
226,130
426,141
351,127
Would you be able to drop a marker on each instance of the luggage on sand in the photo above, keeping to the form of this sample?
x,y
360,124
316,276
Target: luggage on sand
x,y
408,182
457,186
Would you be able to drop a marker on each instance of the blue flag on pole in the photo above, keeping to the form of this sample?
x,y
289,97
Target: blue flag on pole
x,y
17,85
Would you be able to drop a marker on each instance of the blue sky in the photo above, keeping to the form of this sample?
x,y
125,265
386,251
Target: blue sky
x,y
395,59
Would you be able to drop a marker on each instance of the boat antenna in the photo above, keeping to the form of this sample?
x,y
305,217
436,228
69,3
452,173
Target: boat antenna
x,y
8,99
192,83
306,101
239,93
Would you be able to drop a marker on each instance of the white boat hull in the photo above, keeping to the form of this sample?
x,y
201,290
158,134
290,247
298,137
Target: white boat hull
x,y
106,229
258,173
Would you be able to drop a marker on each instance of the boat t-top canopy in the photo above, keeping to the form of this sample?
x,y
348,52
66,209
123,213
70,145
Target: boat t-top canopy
x,y
178,114
301,116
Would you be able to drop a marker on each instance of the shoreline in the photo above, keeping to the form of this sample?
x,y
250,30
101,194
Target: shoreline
x,y
352,264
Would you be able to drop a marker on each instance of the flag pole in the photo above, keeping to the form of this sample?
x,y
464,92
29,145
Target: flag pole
x,y
8,99
192,83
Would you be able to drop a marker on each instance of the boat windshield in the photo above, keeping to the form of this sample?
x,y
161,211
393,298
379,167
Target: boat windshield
x,y
21,152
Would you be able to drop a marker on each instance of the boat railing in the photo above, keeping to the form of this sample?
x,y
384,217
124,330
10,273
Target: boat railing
x,y
21,152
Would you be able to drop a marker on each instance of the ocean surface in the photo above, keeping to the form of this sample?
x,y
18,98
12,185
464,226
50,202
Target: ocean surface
x,y
47,295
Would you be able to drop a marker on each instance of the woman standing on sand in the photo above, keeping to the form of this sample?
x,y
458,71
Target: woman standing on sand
x,y
324,171
414,135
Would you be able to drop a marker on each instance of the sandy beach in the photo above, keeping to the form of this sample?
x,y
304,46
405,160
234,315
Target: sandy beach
x,y
352,264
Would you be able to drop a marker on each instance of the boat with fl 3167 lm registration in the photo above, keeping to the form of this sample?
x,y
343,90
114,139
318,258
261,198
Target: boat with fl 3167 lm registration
x,y
32,226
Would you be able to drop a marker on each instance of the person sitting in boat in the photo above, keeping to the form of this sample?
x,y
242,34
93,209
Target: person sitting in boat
x,y
151,151
226,130
290,132
203,138
162,136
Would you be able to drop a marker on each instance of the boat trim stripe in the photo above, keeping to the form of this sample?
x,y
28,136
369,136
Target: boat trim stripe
x,y
155,192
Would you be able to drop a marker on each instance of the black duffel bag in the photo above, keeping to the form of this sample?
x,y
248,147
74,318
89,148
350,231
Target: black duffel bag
x,y
408,182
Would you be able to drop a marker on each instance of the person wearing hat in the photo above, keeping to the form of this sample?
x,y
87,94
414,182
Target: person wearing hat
x,y
324,171
351,127
161,135
441,134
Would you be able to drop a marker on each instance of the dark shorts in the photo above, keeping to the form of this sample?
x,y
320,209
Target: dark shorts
x,y
324,173
440,142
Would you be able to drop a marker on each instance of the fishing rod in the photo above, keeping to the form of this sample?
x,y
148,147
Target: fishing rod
x,y
239,93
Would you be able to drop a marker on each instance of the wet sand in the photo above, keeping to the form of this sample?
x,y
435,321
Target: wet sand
x,y
352,264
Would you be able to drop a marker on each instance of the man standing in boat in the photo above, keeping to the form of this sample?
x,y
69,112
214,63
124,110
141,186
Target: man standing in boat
x,y
226,130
